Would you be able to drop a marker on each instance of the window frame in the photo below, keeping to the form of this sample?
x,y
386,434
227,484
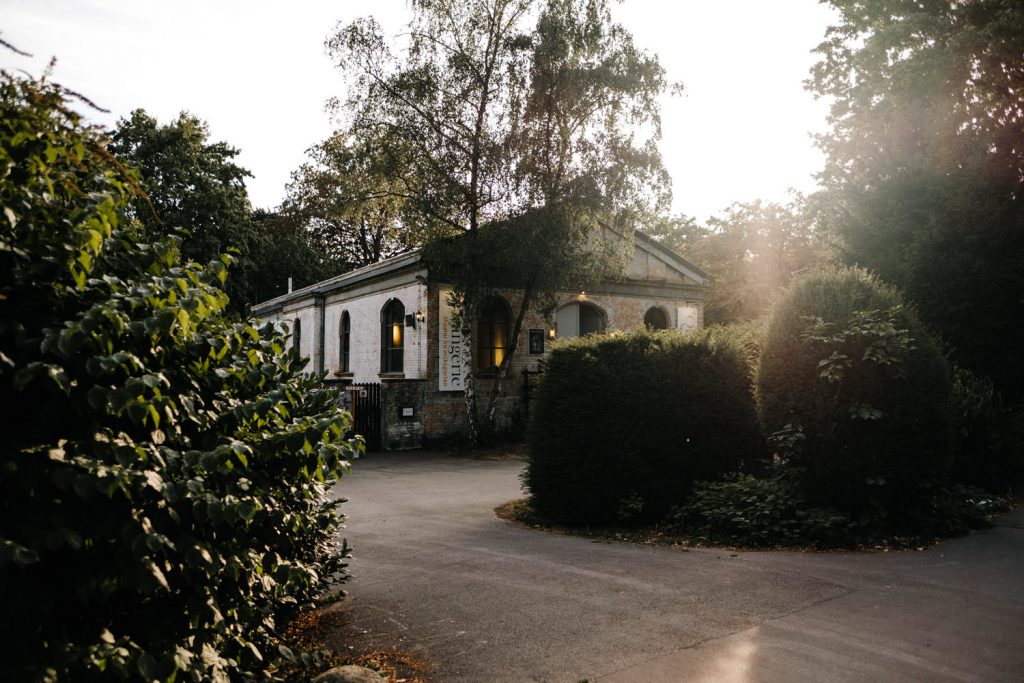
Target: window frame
x,y
392,325
661,313
345,343
493,318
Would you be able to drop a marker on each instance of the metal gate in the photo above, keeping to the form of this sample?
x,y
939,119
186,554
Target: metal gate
x,y
366,413
530,380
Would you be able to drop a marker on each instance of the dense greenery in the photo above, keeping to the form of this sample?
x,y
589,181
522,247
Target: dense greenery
x,y
164,471
855,393
924,180
623,425
351,196
193,183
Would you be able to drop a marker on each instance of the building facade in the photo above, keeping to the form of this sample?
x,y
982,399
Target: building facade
x,y
390,325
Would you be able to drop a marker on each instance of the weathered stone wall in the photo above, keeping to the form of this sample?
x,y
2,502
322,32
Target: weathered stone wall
x,y
402,430
626,312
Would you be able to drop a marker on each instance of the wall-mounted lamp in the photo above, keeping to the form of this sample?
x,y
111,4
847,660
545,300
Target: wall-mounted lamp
x,y
421,317
582,296
551,333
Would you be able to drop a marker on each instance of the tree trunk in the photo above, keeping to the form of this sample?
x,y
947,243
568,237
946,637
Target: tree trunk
x,y
469,382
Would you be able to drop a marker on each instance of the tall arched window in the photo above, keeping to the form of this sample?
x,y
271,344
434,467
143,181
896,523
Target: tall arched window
x,y
297,336
392,334
344,341
579,319
491,334
655,319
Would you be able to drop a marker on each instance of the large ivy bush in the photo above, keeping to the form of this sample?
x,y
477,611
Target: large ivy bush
x,y
624,424
163,471
855,397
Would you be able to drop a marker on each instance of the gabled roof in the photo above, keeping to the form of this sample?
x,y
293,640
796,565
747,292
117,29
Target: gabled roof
x,y
673,259
411,260
353,277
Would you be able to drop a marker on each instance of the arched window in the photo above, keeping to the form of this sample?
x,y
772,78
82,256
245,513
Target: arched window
x,y
297,336
491,334
392,334
579,319
344,341
655,319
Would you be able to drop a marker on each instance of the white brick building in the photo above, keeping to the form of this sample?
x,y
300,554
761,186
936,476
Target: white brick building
x,y
381,325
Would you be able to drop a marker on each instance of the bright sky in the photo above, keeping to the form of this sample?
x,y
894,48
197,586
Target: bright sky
x,y
257,72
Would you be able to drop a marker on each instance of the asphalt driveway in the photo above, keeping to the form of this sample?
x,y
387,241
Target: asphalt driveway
x,y
438,575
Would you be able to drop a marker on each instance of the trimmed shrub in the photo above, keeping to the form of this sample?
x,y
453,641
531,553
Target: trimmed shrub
x,y
624,424
855,395
164,471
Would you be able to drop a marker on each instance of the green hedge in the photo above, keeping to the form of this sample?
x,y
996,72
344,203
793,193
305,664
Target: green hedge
x,y
855,395
624,424
164,471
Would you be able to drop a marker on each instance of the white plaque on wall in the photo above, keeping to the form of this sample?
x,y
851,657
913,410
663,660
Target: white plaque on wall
x,y
449,344
688,318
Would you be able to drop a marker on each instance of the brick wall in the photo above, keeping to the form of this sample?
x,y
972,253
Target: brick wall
x,y
364,345
402,431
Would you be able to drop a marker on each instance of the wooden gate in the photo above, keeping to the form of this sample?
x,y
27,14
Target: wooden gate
x,y
366,413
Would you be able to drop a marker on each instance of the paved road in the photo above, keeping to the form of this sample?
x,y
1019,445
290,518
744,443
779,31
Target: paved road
x,y
485,601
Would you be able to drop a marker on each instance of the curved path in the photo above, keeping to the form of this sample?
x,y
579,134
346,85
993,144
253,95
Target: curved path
x,y
436,574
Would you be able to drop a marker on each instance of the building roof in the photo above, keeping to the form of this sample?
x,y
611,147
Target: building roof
x,y
411,260
353,277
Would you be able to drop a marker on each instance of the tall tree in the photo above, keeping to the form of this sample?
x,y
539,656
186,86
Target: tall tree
x,y
191,182
283,252
924,181
349,195
509,109
751,251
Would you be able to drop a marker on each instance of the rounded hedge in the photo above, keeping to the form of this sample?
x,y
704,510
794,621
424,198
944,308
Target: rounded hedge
x,y
854,393
623,425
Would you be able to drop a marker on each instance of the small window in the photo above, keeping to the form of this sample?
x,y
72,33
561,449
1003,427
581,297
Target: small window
x,y
344,340
297,336
392,331
655,319
491,334
578,320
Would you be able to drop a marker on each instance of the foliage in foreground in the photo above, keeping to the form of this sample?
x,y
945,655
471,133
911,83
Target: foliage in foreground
x,y
623,425
163,473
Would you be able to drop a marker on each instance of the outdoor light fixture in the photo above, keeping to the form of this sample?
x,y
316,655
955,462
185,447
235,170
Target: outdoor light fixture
x,y
551,333
421,316
582,296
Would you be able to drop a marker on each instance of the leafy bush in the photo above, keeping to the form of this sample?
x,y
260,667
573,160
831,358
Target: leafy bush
x,y
989,438
624,424
772,511
758,512
163,473
855,394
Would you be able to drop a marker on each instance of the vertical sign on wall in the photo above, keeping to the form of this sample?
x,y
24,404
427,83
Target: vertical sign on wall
x,y
449,344
687,318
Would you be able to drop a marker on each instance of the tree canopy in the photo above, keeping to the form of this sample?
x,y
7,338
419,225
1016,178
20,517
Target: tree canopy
x,y
752,251
349,196
191,182
925,163
504,108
